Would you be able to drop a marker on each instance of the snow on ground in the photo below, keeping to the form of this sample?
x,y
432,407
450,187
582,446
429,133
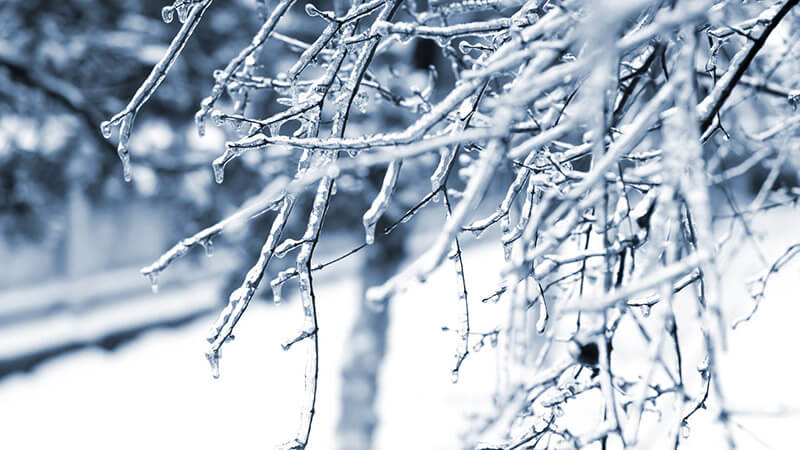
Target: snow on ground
x,y
156,392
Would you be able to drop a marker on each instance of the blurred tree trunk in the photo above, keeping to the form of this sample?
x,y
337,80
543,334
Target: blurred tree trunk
x,y
367,345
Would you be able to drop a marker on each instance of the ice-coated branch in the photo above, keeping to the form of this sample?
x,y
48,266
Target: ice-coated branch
x,y
463,330
270,198
240,298
574,126
672,272
224,77
758,285
514,188
711,105
314,225
334,26
420,270
126,117
452,31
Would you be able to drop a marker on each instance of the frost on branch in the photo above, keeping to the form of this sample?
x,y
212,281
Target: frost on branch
x,y
590,137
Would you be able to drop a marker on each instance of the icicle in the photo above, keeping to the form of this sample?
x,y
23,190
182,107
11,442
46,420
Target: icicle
x,y
445,158
505,226
208,246
381,201
183,12
493,340
277,288
201,115
153,278
219,171
369,228
361,100
213,359
122,147
274,129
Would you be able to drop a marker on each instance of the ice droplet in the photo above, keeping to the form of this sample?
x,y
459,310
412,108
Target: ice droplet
x,y
219,172
106,128
213,359
311,10
477,232
218,117
369,229
332,171
646,310
454,376
153,277
403,38
685,430
361,99
167,14
558,411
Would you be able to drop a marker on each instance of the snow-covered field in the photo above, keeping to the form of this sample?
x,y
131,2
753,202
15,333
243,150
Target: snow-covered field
x,y
156,392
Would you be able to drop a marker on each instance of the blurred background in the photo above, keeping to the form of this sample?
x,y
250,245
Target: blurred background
x,y
74,234
90,358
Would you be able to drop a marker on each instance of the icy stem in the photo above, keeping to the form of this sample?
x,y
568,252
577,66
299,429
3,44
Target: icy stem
x,y
381,201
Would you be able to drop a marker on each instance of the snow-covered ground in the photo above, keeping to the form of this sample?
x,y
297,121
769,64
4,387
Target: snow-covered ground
x,y
156,392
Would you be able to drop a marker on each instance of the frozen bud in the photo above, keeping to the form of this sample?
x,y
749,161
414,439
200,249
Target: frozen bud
x,y
167,14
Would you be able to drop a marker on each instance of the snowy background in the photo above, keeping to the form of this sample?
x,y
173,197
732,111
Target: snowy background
x,y
156,390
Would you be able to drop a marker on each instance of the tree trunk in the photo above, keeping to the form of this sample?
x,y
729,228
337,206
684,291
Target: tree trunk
x,y
367,344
